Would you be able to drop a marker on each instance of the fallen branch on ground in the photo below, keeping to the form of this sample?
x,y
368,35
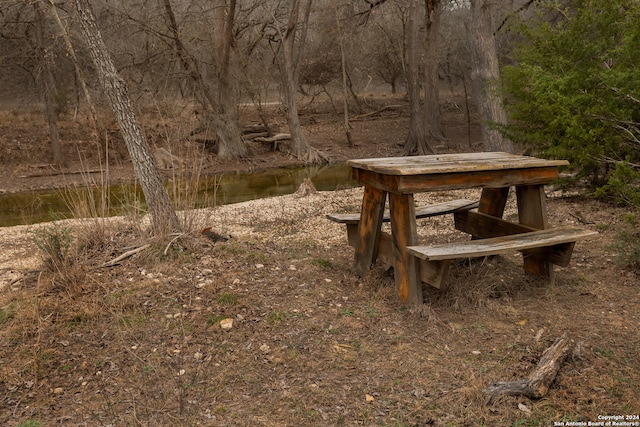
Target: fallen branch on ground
x,y
538,383
124,256
274,139
373,113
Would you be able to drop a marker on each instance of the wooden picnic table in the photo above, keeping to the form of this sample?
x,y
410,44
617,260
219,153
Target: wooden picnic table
x,y
400,178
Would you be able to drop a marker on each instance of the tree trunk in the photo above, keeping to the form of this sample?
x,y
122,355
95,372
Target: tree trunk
x,y
300,146
99,129
163,217
218,108
485,74
345,88
416,142
432,119
47,86
230,143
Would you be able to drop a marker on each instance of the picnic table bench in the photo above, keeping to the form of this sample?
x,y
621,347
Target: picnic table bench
x,y
399,178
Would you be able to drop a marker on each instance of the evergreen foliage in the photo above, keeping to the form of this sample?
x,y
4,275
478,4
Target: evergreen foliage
x,y
573,91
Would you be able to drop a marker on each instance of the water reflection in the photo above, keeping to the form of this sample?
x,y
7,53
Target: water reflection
x,y
41,206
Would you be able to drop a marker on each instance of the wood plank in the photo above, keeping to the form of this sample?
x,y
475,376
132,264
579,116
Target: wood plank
x,y
501,245
421,212
369,229
483,226
451,163
404,234
410,184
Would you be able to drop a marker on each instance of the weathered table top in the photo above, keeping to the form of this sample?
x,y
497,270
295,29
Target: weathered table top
x,y
449,171
451,163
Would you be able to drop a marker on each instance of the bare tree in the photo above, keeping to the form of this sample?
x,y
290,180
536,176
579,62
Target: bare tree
x,y
163,217
485,74
218,105
432,119
383,44
291,51
47,84
79,73
416,142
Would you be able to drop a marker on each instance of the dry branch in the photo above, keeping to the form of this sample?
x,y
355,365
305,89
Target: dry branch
x,y
538,383
276,137
124,256
373,113
63,173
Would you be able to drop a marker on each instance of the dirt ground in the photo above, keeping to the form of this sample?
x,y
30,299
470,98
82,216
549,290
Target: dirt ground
x,y
271,327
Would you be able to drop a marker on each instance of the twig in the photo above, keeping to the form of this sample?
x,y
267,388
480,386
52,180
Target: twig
x,y
123,256
173,240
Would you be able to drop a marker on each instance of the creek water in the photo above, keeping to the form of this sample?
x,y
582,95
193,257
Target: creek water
x,y
31,207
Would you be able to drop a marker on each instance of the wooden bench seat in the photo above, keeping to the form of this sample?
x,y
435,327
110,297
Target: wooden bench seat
x,y
421,212
554,245
549,238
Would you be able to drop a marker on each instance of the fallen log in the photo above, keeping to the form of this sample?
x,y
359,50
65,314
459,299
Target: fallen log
x,y
274,139
538,383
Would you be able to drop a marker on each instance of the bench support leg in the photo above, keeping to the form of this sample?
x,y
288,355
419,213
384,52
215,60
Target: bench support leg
x,y
532,211
404,233
493,201
369,229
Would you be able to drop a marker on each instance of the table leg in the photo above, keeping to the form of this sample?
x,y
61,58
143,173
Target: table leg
x,y
404,233
493,201
532,211
369,229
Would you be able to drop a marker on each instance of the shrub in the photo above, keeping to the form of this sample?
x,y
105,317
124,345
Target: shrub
x,y
572,90
54,243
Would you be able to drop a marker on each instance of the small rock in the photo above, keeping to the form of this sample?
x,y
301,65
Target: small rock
x,y
206,271
259,265
198,355
369,398
524,408
226,323
265,348
476,353
58,390
181,372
